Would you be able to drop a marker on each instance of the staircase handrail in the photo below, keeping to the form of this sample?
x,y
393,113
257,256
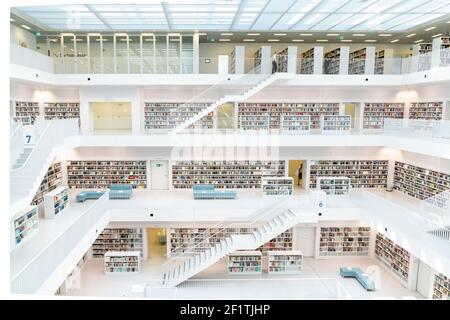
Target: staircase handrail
x,y
15,142
258,214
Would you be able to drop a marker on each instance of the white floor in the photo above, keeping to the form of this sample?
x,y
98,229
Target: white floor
x,y
319,280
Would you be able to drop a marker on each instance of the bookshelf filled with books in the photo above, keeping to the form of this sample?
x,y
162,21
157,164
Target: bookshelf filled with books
x,y
24,109
233,61
375,113
245,263
362,173
357,62
284,262
120,262
335,124
393,256
225,174
118,239
165,116
441,287
334,185
24,224
282,242
295,124
331,61
61,110
56,201
418,182
257,58
384,61
344,241
100,174
423,50
52,179
282,60
275,186
426,110
307,62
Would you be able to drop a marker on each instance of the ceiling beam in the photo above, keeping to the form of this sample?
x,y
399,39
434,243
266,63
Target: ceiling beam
x,y
30,20
237,14
259,14
282,15
98,15
166,14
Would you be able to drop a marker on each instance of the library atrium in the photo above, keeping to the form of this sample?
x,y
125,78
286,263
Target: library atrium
x,y
234,149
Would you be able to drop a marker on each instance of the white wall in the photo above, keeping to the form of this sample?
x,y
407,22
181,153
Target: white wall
x,y
22,37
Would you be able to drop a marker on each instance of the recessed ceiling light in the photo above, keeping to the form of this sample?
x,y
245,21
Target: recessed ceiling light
x,y
385,35
410,35
26,27
346,40
437,35
306,34
273,40
11,19
248,40
431,28
253,34
359,34
226,34
200,34
224,40
332,34
370,40
279,34
297,40
417,41
53,40
322,40
396,40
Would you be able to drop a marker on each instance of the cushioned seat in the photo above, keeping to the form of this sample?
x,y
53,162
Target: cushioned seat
x,y
120,191
358,274
208,191
86,195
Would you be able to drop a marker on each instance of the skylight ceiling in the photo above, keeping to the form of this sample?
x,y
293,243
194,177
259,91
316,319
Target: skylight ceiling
x,y
241,15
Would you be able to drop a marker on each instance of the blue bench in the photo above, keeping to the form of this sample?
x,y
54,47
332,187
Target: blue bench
x,y
120,191
208,191
86,195
358,274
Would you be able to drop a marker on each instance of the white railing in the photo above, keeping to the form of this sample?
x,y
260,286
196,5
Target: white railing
x,y
419,128
30,58
40,268
15,142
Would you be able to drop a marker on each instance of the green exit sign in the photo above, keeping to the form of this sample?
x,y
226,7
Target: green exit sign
x,y
341,37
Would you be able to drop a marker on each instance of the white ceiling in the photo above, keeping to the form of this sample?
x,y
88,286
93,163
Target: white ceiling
x,y
240,15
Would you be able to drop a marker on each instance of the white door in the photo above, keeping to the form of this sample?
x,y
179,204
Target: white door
x,y
306,237
424,278
159,174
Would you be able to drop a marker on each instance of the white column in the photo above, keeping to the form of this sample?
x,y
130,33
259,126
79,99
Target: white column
x,y
370,60
414,59
239,56
223,64
343,60
195,53
436,53
292,59
390,176
266,61
318,60
388,62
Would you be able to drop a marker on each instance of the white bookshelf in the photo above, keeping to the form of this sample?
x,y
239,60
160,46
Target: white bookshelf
x,y
23,109
393,256
441,51
332,61
441,287
357,61
383,61
375,113
245,263
334,185
257,56
100,174
295,124
225,174
52,179
56,201
419,182
275,186
344,241
282,242
121,262
282,60
61,110
333,124
24,224
307,62
426,110
163,115
362,173
423,51
118,239
284,262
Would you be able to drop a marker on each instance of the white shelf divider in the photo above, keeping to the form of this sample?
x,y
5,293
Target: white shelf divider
x,y
122,262
275,186
56,201
284,262
245,263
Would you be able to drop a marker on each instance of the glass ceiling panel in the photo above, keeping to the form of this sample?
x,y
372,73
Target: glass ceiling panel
x,y
381,6
54,8
304,5
329,6
353,21
265,21
356,6
416,22
288,20
331,21
278,6
398,20
430,6
373,22
309,20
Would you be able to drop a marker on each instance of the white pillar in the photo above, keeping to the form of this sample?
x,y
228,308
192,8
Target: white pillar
x,y
239,56
370,60
266,60
414,59
436,53
292,59
318,60
223,64
343,60
195,53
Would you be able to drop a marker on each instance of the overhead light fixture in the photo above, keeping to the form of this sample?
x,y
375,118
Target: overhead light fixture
x,y
253,34
417,41
437,35
224,40
297,40
11,19
410,35
346,40
359,34
385,34
396,40
431,28
103,39
26,27
306,34
279,34
332,34
322,40
248,40
53,40
226,34
273,40
200,34
370,40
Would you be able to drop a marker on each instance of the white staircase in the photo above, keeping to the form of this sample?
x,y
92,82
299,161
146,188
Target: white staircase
x,y
441,232
23,157
436,209
31,167
253,85
198,261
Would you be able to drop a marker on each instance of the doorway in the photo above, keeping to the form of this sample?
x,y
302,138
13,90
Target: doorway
x,y
225,116
159,174
350,110
156,242
296,170
111,117
306,237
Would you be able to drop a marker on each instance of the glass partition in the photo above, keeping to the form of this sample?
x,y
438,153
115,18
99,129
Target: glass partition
x,y
108,54
135,54
148,49
69,60
187,54
95,52
82,54
122,47
173,53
